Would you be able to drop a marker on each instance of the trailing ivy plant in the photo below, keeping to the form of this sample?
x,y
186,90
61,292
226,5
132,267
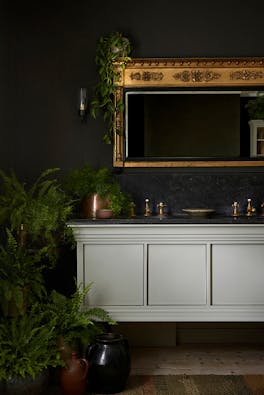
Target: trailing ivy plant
x,y
110,49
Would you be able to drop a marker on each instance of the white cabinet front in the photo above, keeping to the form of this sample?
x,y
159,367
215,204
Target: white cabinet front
x,y
177,274
116,271
238,274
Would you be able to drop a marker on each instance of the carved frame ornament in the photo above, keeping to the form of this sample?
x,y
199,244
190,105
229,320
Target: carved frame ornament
x,y
179,73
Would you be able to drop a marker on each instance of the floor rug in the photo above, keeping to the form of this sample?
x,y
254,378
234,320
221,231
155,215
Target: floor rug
x,y
190,385
195,385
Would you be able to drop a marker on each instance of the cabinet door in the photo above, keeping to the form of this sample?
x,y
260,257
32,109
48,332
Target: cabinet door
x,y
116,271
177,274
237,274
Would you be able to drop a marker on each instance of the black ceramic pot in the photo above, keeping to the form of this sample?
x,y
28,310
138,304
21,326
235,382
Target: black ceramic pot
x,y
28,385
109,360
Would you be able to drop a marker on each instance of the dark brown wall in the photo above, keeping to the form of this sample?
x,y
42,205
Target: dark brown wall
x,y
47,54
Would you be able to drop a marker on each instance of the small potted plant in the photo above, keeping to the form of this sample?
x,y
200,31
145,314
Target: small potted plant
x,y
255,107
111,48
96,190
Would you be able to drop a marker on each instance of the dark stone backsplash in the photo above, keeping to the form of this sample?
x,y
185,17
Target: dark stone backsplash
x,y
177,190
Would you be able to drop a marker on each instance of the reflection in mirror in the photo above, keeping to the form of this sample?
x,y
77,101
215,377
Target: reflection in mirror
x,y
187,124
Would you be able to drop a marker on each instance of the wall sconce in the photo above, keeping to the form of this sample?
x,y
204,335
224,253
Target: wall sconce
x,y
83,104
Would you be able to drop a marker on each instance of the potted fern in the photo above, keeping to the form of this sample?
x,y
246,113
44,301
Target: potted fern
x,y
82,184
76,326
28,350
36,214
110,49
21,279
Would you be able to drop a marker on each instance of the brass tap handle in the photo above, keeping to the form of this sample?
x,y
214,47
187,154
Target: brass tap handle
x,y
235,206
250,208
132,209
161,206
147,208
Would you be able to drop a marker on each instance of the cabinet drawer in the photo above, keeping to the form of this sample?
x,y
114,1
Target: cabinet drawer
x,y
238,274
117,273
177,274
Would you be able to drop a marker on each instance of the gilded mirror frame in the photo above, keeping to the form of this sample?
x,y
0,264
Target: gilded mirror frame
x,y
180,73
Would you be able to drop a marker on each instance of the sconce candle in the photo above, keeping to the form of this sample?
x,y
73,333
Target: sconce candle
x,y
83,104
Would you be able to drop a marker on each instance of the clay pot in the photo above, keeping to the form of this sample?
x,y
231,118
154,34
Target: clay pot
x,y
73,376
104,213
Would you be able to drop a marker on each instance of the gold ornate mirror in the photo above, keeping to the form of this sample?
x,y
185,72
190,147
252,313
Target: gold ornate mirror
x,y
187,112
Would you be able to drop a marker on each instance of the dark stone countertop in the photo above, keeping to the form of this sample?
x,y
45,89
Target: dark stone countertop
x,y
170,219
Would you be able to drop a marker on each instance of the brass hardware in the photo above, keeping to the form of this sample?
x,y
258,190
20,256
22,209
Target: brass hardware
x,y
235,206
250,208
132,209
147,209
161,206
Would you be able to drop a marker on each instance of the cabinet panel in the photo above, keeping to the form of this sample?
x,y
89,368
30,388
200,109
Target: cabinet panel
x,y
117,273
237,274
177,275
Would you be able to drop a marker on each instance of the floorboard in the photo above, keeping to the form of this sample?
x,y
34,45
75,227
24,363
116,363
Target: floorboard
x,y
202,360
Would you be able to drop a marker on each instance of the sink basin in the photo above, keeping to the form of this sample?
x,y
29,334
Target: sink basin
x,y
199,212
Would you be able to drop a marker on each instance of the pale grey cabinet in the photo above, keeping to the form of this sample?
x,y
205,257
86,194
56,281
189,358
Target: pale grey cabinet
x,y
116,271
238,274
192,272
177,274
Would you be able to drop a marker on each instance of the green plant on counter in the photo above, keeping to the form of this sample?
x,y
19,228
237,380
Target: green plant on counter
x,y
36,214
110,49
86,180
28,344
255,107
74,323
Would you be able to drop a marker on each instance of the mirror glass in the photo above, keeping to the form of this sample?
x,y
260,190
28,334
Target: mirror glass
x,y
187,124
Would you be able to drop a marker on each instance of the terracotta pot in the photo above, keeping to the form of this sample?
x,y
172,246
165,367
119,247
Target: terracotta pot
x,y
92,203
73,376
104,213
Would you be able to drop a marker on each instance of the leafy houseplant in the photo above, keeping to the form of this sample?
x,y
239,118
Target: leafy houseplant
x,y
85,181
21,280
255,107
37,214
28,344
73,322
111,48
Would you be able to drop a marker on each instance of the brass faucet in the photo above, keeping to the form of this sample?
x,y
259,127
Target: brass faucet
x,y
235,206
161,206
250,208
147,208
132,209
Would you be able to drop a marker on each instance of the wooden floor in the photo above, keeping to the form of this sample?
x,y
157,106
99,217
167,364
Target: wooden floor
x,y
202,360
